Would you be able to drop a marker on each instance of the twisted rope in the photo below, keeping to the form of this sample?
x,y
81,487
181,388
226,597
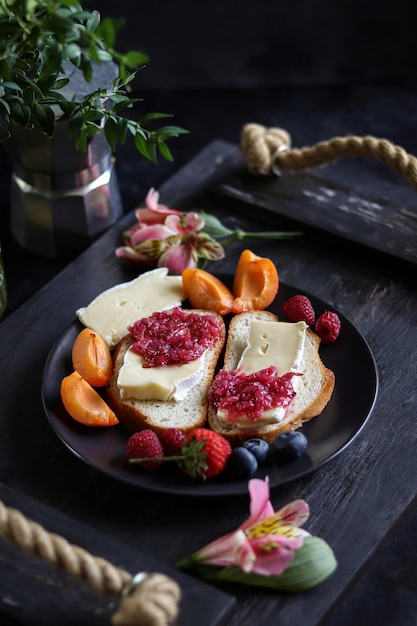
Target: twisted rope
x,y
266,149
153,601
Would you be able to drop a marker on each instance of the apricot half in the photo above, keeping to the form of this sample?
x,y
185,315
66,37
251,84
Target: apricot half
x,y
83,402
206,291
255,283
91,358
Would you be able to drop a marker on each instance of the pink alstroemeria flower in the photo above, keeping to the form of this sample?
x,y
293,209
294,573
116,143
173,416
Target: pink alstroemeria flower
x,y
168,238
266,542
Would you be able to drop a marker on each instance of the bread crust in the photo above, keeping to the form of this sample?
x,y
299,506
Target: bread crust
x,y
309,402
158,415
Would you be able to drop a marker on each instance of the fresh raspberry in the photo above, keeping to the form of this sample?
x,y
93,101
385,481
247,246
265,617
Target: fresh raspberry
x,y
328,327
145,445
299,309
205,453
172,440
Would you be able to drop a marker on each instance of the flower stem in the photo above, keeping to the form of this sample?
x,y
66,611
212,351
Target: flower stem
x,y
240,235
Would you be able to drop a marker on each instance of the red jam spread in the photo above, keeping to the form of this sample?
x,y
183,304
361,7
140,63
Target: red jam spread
x,y
250,395
174,337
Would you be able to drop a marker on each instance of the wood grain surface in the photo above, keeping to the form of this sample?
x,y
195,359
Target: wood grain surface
x,y
357,501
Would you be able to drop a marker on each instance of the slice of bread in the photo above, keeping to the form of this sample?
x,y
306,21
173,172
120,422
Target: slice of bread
x,y
314,388
158,415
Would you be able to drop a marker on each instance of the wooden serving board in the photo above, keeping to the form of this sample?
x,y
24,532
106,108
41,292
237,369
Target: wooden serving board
x,y
380,215
34,592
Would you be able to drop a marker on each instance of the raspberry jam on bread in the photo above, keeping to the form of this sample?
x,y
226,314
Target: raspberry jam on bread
x,y
174,337
260,397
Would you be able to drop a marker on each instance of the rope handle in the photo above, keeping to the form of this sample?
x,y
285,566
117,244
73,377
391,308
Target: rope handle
x,y
148,599
268,149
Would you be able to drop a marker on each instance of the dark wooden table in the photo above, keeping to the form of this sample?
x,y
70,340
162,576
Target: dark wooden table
x,y
363,501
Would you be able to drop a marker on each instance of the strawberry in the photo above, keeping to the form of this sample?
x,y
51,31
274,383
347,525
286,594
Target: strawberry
x,y
205,453
172,440
145,447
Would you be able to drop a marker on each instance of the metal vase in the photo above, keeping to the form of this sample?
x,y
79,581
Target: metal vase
x,y
61,198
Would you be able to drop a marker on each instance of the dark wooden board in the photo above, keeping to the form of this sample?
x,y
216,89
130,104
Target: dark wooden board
x,y
35,592
385,223
357,501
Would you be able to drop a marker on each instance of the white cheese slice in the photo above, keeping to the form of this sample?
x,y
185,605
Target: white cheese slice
x,y
274,343
167,382
271,343
271,416
113,310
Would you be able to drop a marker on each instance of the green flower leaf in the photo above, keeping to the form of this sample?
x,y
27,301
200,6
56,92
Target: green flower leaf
x,y
213,226
312,564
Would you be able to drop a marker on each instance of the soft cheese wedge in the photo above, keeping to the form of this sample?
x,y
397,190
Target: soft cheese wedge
x,y
300,352
167,382
113,310
186,411
278,343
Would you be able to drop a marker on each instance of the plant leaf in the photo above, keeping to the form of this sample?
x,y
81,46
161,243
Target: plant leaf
x,y
134,58
44,119
213,226
165,151
21,114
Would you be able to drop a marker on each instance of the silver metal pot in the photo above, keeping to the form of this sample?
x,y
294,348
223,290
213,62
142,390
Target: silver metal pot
x,y
61,198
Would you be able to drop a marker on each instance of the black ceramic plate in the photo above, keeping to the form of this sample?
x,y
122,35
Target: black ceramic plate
x,y
350,406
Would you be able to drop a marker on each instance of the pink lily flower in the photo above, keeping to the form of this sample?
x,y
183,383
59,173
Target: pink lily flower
x,y
266,542
168,238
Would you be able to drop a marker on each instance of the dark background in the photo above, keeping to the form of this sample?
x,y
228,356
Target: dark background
x,y
246,45
316,68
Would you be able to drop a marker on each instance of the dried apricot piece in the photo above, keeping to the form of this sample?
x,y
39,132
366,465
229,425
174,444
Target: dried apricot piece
x,y
84,403
255,283
206,291
91,358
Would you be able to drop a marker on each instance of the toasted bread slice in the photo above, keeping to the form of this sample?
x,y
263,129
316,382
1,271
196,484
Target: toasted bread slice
x,y
158,415
314,389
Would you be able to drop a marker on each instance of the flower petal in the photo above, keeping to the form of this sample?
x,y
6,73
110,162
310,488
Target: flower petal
x,y
273,553
260,505
134,256
207,247
231,549
185,223
157,231
295,513
177,258
152,199
154,213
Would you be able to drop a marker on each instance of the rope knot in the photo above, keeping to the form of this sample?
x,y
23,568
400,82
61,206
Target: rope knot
x,y
148,600
260,146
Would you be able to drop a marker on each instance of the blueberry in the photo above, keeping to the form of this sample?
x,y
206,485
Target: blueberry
x,y
289,446
259,449
241,464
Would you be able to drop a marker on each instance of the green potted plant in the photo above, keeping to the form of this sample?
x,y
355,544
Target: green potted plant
x,y
62,79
